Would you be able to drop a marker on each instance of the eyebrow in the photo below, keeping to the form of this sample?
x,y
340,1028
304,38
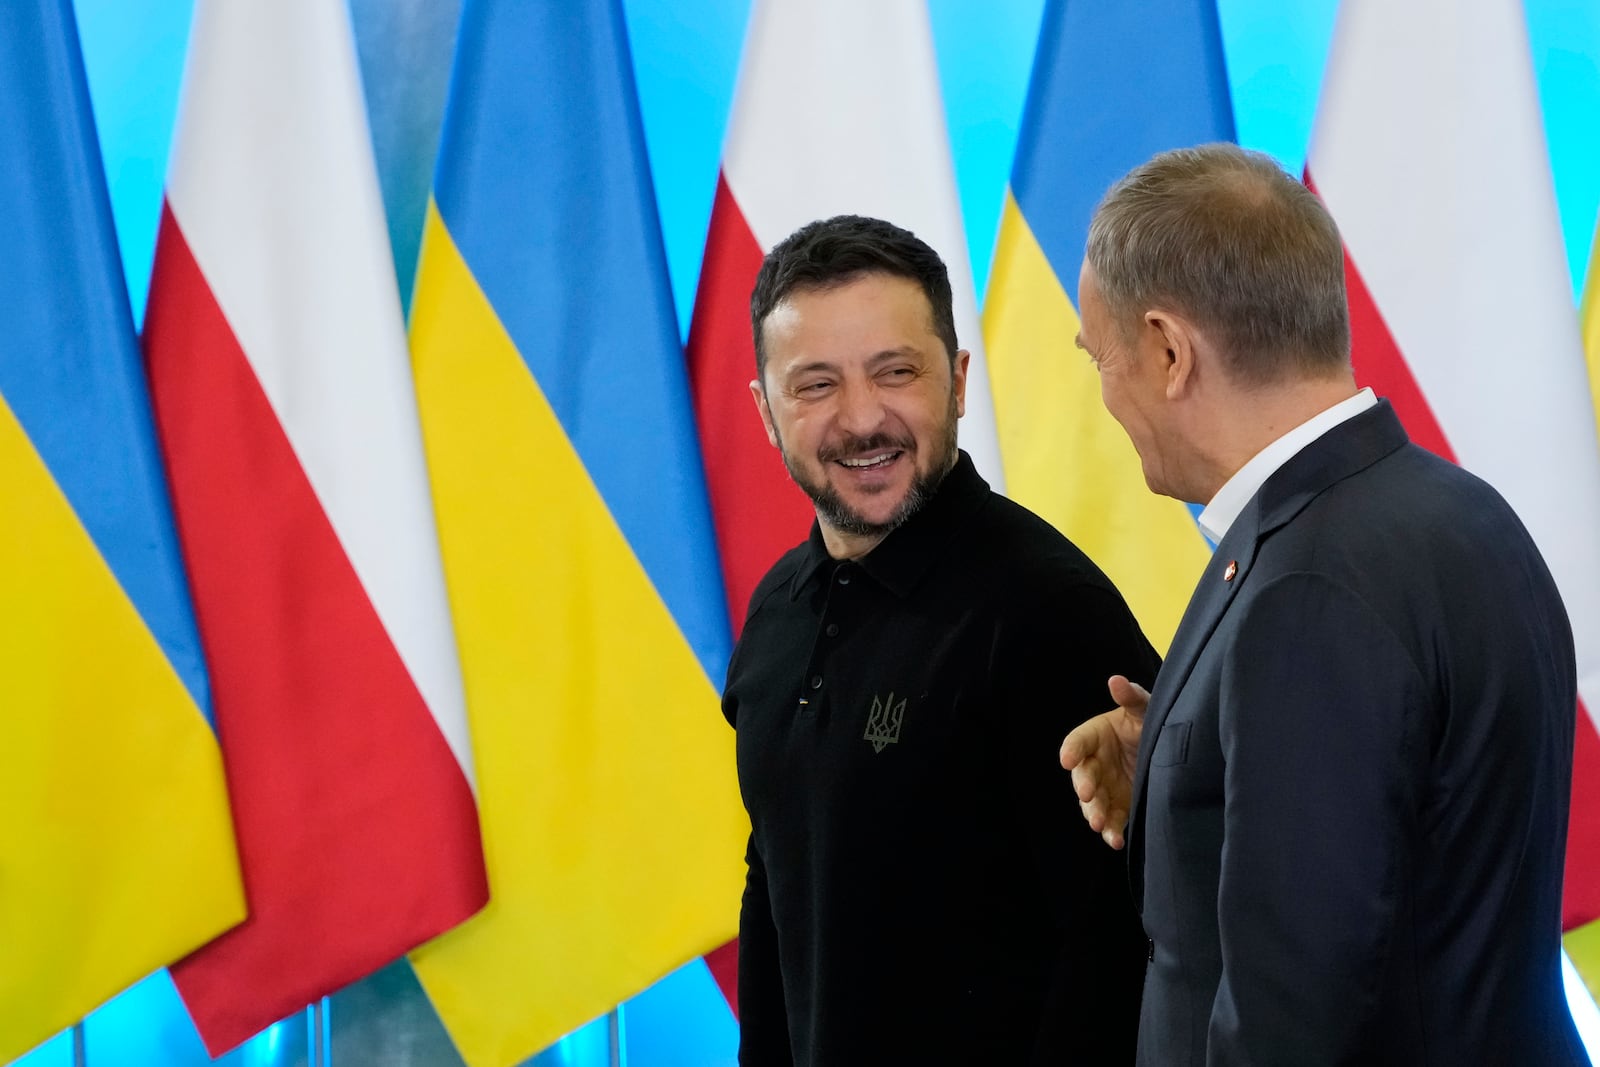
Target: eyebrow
x,y
892,353
810,368
873,360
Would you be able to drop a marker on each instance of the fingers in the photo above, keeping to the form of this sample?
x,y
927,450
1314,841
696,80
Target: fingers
x,y
1086,781
1079,745
1130,696
1093,816
1091,752
1109,824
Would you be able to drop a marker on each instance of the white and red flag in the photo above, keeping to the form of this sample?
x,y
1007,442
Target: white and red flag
x,y
837,112
282,389
1429,150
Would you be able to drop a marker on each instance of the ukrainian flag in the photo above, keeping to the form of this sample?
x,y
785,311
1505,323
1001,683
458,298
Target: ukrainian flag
x,y
1113,84
576,539
118,854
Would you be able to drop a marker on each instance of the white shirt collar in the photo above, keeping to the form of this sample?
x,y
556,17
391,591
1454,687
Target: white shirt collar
x,y
1237,491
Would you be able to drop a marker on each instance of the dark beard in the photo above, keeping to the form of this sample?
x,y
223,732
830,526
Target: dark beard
x,y
832,509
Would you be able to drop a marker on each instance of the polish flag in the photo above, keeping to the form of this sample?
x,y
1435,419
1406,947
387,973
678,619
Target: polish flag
x,y
1430,153
282,390
837,112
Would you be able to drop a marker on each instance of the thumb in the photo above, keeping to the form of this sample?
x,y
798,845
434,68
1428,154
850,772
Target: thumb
x,y
1130,696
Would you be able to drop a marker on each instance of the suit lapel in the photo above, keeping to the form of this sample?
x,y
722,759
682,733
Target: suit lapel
x,y
1349,447
1212,595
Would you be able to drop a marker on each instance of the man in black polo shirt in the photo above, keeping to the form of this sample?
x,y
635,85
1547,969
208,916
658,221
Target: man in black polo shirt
x,y
917,892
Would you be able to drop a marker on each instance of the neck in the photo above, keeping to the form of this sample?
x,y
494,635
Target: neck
x,y
843,545
1251,419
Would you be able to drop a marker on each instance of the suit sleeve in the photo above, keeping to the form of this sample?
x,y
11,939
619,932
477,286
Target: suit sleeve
x,y
1054,674
763,1022
1323,726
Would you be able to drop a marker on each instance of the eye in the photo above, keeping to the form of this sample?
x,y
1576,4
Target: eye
x,y
1077,342
898,374
813,389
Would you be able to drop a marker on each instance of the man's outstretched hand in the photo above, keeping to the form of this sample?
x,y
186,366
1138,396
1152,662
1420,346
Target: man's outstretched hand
x,y
1101,755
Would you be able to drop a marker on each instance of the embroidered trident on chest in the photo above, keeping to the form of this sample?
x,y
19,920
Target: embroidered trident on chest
x,y
883,722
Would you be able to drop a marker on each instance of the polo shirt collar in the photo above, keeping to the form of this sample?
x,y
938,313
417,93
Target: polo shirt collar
x,y
899,561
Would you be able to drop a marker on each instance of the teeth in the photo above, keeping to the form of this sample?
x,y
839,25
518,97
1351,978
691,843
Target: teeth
x,y
871,461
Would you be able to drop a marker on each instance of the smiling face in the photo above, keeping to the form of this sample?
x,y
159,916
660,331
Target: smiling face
x,y
860,397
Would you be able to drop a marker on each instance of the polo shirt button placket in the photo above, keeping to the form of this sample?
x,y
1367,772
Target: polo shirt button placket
x,y
841,574
813,682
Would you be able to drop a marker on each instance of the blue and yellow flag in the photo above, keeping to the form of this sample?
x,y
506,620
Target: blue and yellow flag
x,y
1113,84
118,854
576,540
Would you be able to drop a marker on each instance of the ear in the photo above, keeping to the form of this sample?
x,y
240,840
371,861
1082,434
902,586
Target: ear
x,y
958,381
764,410
1174,339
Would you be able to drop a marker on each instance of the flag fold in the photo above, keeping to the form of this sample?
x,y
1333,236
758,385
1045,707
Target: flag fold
x,y
278,368
576,539
119,854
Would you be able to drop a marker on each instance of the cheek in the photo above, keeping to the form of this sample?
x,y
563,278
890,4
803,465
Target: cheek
x,y
800,430
1109,396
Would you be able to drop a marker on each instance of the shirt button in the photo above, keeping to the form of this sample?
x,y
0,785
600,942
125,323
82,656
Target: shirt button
x,y
844,577
816,681
832,629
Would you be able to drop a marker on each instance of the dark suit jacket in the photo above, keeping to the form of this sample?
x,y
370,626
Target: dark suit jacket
x,y
1350,808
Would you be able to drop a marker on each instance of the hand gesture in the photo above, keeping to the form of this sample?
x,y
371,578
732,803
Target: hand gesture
x,y
1101,755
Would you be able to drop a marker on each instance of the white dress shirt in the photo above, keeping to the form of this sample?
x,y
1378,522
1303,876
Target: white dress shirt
x,y
1237,491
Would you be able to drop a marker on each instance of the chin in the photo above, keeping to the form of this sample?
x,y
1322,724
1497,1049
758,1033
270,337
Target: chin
x,y
1158,487
876,510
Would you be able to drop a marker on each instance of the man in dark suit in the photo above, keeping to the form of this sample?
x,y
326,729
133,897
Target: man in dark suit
x,y
1348,791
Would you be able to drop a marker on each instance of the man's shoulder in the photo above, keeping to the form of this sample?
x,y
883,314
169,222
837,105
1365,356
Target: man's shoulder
x,y
778,577
1017,546
1413,488
1407,520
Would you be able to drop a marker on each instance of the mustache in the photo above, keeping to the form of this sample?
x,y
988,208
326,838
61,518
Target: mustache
x,y
852,446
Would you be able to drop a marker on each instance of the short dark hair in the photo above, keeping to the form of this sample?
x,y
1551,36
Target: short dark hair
x,y
1226,236
832,252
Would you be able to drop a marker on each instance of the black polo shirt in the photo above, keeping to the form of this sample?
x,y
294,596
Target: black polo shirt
x,y
922,888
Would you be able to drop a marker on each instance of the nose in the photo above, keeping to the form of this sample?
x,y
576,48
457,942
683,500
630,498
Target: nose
x,y
860,410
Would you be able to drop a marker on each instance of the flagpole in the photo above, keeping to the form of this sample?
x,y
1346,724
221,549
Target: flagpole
x,y
317,1022
80,1045
618,1036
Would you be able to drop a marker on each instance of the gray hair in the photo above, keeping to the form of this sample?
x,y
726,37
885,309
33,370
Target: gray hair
x,y
1226,237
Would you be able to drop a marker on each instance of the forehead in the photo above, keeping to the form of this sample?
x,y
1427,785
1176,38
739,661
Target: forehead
x,y
1095,315
1088,285
1092,312
866,314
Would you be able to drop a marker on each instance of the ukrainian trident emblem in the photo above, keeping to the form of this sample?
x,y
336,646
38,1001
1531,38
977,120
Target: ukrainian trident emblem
x,y
883,724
